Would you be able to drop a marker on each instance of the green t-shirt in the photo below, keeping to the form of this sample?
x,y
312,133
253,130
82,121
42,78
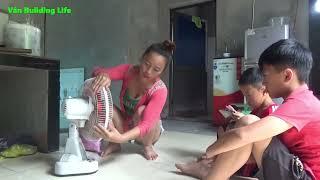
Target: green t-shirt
x,y
129,103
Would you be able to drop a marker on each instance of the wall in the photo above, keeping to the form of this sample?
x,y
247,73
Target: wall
x,y
143,28
96,34
234,17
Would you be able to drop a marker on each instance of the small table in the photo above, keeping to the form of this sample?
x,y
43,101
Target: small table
x,y
29,94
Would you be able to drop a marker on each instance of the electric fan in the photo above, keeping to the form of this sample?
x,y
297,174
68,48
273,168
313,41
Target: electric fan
x,y
88,111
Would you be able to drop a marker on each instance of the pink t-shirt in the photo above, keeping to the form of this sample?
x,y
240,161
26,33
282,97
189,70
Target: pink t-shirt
x,y
302,110
154,98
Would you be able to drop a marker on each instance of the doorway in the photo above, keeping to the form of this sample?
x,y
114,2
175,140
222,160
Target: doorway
x,y
189,72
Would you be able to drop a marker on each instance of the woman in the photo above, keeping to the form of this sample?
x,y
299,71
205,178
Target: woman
x,y
142,99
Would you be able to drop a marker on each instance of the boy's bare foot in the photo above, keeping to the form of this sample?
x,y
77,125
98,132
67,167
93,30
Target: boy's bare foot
x,y
149,153
111,147
195,169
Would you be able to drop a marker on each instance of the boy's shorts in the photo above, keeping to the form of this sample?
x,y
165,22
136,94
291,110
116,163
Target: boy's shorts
x,y
278,163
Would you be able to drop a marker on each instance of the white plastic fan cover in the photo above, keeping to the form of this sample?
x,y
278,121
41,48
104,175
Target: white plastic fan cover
x,y
102,112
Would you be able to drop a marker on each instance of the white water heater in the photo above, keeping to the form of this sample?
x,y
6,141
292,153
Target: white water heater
x,y
226,73
259,39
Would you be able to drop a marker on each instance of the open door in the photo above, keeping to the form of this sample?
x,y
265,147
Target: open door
x,y
188,76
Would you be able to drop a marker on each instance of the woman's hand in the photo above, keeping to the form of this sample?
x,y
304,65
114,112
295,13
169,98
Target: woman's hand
x,y
111,134
100,81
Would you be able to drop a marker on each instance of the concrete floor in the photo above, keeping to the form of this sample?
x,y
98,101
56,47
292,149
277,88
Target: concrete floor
x,y
181,142
190,125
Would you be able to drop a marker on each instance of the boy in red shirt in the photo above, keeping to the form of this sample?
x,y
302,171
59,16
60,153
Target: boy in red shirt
x,y
257,97
259,100
250,84
285,144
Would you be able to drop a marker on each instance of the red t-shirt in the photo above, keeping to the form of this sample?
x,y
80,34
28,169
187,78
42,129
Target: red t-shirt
x,y
265,112
302,110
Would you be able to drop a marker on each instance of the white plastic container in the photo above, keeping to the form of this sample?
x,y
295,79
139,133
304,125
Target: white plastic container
x,y
23,36
226,73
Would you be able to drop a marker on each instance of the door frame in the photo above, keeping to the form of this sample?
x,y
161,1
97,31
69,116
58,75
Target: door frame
x,y
171,67
164,32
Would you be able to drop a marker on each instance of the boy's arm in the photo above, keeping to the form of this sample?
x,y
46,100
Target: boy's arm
x,y
263,129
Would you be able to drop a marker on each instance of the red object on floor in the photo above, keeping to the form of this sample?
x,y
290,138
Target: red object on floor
x,y
220,102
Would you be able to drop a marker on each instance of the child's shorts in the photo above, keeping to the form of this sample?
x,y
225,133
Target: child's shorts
x,y
278,163
91,145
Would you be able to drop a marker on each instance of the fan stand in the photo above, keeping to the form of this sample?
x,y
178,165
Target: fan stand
x,y
74,161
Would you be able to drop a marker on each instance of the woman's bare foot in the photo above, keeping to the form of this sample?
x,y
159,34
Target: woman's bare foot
x,y
149,153
111,147
195,169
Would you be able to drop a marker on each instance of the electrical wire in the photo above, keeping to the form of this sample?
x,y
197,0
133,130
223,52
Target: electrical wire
x,y
253,6
295,17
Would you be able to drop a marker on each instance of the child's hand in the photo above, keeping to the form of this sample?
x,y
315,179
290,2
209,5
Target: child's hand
x,y
235,114
230,109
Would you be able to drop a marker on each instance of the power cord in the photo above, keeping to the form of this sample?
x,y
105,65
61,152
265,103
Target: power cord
x,y
253,6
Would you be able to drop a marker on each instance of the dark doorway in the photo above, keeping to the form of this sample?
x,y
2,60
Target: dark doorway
x,y
188,74
314,39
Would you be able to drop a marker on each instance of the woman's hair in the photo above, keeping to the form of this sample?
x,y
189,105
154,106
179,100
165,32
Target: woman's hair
x,y
165,49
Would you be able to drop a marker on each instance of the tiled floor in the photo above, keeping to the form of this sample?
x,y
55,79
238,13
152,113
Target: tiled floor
x,y
173,147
